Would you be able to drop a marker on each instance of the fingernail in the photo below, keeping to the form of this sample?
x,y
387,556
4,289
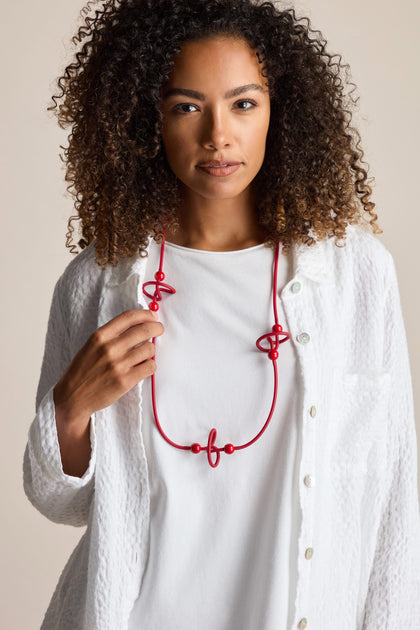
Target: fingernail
x,y
155,315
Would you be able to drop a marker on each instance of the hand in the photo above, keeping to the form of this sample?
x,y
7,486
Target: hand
x,y
114,359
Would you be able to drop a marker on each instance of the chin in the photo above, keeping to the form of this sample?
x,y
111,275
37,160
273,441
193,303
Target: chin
x,y
221,196
221,190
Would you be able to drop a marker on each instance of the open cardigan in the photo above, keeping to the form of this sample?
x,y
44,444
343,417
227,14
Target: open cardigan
x,y
360,520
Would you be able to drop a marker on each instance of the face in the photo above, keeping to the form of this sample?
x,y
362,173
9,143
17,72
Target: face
x,y
216,108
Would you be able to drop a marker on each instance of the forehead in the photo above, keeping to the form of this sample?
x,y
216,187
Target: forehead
x,y
222,58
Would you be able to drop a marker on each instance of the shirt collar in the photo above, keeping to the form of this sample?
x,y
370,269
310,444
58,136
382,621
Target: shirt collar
x,y
309,261
126,267
313,261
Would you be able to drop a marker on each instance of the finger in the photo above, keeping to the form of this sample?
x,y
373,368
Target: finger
x,y
104,348
135,374
123,322
142,353
113,354
143,370
139,334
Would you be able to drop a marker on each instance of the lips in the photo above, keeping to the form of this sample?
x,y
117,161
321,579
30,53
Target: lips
x,y
219,168
218,163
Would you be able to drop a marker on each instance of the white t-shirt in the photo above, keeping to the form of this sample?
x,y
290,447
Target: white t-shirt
x,y
223,541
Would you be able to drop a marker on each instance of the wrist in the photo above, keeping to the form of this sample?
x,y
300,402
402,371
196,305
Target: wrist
x,y
70,420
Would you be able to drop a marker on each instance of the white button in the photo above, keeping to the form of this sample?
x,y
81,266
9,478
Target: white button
x,y
296,287
302,624
303,338
312,411
309,481
309,553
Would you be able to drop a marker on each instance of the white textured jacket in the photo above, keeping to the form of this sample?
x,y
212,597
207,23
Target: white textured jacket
x,y
359,545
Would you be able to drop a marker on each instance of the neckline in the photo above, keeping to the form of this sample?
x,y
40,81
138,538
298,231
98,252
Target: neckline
x,y
207,251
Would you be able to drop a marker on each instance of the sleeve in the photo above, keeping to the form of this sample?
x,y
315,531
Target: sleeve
x,y
393,599
61,498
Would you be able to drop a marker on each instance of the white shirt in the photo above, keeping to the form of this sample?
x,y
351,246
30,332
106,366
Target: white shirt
x,y
358,554
245,511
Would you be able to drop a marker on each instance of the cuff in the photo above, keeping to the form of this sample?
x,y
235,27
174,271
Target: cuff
x,y
45,446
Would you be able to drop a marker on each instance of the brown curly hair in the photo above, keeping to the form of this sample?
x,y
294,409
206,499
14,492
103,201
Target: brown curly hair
x,y
311,184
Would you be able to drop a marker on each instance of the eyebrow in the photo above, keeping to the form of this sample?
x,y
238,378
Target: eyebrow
x,y
199,96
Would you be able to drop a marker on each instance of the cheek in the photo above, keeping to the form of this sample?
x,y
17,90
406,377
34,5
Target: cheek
x,y
173,139
168,141
258,138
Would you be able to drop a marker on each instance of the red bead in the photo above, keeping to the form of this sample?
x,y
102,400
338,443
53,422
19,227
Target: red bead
x,y
277,328
154,306
196,448
229,449
159,275
273,354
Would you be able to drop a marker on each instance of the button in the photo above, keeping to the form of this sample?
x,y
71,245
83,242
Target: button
x,y
303,338
309,553
296,287
309,481
302,623
312,411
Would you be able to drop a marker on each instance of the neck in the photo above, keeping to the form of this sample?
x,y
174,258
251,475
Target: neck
x,y
217,225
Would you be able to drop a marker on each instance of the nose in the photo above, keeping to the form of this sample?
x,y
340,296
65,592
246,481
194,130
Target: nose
x,y
216,132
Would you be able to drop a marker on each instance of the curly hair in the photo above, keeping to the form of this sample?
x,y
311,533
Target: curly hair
x,y
312,183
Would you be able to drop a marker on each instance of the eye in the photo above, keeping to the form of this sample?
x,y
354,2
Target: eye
x,y
183,108
245,105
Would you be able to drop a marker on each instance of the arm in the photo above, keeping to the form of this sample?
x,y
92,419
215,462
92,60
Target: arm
x,y
393,599
60,456
60,497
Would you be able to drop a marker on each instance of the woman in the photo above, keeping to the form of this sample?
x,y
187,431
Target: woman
x,y
221,490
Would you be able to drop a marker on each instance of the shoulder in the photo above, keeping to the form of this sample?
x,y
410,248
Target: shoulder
x,y
363,255
364,242
78,293
84,287
81,277
82,268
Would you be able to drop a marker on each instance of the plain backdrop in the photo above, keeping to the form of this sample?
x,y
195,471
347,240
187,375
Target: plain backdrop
x,y
379,39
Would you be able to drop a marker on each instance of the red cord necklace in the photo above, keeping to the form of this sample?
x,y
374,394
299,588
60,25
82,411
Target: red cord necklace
x,y
274,338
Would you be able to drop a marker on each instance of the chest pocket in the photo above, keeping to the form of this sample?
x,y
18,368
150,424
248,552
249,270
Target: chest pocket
x,y
359,423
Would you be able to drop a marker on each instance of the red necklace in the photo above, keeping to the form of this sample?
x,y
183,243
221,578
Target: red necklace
x,y
274,338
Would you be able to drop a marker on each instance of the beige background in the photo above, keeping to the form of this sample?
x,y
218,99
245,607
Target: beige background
x,y
380,42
